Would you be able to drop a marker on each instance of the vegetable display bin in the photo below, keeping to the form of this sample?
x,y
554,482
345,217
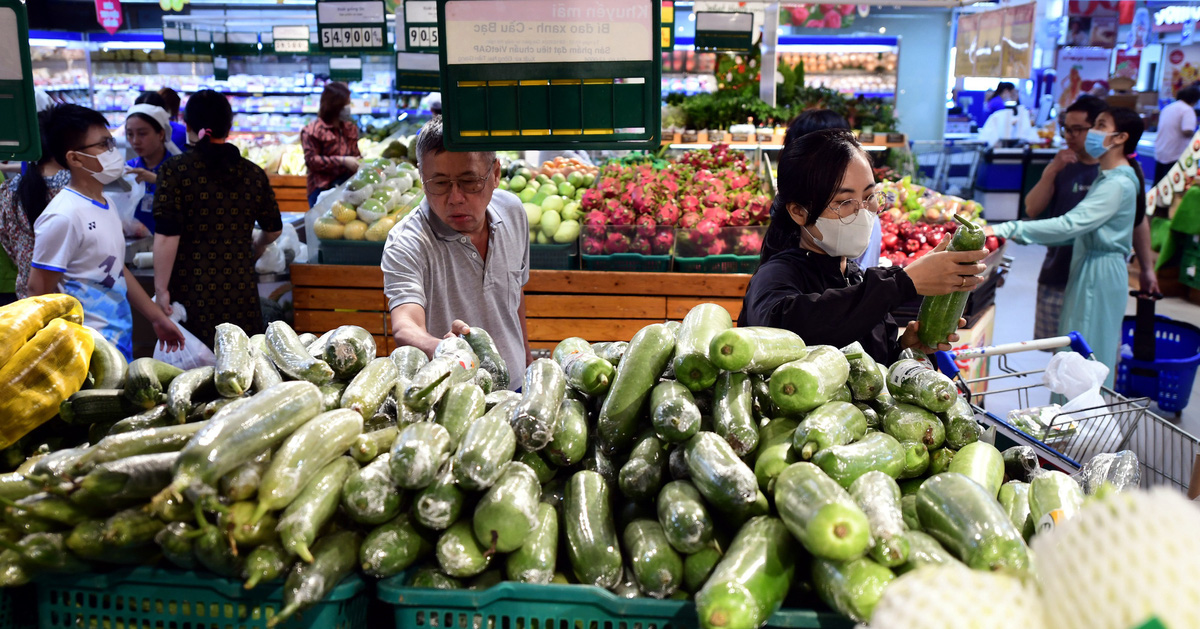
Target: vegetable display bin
x,y
627,248
524,605
353,252
724,250
1173,370
161,598
564,257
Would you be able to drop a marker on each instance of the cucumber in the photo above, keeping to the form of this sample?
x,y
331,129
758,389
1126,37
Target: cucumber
x,y
982,463
487,446
961,427
156,417
913,382
136,477
536,416
924,551
684,517
507,513
312,509
876,451
908,508
46,507
673,412
828,425
916,459
266,375
644,362
698,567
1014,497
584,370
771,461
878,495
821,514
853,587
804,384
569,444
865,381
131,528
348,350
242,483
724,480
408,360
439,505
908,422
968,522
147,379
176,541
302,456
458,552
592,544
657,568
454,344
107,365
484,381
189,388
370,387
308,338
234,369
535,560
752,579
939,460
874,420
693,369
392,547
369,445
420,450
754,349
236,521
430,383
334,557
1054,498
940,314
331,395
148,441
461,405
489,356
733,412
432,579
494,398
612,352
642,475
292,359
97,407
1021,463
264,564
369,496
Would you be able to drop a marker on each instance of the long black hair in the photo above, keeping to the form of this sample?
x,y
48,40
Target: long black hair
x,y
811,121
63,129
1128,121
210,111
811,170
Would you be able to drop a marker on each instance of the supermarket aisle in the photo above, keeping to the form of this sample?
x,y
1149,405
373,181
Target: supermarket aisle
x,y
1016,303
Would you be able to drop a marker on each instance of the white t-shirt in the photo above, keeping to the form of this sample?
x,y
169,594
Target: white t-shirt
x,y
82,239
1176,124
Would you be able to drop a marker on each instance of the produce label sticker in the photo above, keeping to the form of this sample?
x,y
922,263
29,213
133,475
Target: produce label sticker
x,y
549,31
1050,520
898,376
351,25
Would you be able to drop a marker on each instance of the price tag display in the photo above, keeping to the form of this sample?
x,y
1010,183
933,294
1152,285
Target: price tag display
x,y
291,46
351,25
351,37
422,37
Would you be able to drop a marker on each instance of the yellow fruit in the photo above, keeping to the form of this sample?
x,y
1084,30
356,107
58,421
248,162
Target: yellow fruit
x,y
328,228
43,373
355,230
343,213
378,231
19,321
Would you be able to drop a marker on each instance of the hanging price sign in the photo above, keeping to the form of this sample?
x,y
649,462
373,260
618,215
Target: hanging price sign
x,y
291,40
727,32
417,27
346,69
351,26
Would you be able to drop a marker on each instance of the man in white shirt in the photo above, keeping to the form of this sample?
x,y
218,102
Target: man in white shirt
x,y
1176,126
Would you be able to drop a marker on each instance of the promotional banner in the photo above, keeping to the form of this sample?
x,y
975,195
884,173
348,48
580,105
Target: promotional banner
x,y
108,14
989,50
1079,71
1181,67
965,43
1017,40
1092,23
1128,63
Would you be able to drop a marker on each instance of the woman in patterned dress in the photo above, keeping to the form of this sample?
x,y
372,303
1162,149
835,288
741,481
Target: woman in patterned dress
x,y
205,209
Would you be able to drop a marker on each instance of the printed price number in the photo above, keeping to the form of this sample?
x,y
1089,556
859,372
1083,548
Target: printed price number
x,y
352,37
422,37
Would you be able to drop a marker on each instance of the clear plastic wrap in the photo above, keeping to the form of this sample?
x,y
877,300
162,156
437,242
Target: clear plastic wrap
x,y
1122,470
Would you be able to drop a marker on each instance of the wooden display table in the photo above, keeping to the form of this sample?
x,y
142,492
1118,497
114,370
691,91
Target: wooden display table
x,y
291,192
597,306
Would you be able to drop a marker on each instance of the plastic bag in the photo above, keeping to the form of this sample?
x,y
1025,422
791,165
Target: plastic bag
x,y
1076,378
1121,469
193,354
126,194
272,261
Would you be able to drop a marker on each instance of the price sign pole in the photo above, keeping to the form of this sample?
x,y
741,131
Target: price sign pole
x,y
19,136
351,26
417,37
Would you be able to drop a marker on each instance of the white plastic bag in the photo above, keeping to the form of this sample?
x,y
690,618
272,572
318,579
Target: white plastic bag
x,y
193,354
1076,378
126,194
272,261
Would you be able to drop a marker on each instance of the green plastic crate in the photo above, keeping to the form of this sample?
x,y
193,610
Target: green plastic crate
x,y
627,262
353,252
512,605
555,257
157,598
724,263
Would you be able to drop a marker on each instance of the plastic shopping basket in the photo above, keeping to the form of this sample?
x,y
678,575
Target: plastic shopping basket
x,y
1066,441
1169,377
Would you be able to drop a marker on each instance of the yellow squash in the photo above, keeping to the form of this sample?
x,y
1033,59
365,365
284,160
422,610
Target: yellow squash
x,y
43,373
19,321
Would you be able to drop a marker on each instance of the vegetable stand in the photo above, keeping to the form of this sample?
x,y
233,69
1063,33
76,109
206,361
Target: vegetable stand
x,y
1066,440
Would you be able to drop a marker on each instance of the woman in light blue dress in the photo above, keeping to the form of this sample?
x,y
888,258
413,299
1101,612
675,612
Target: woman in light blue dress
x,y
1101,230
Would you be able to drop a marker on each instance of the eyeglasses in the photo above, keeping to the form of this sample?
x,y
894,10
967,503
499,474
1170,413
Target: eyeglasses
x,y
468,185
1074,130
108,143
848,209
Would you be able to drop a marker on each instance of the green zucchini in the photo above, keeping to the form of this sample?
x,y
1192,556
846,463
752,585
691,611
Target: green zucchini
x,y
242,483
489,356
693,368
569,444
148,441
131,528
657,568
916,459
147,379
540,466
698,567
535,560
913,382
971,524
733,412
107,365
939,460
370,386
507,512
237,522
874,420
431,382
722,478
264,564
828,425
487,446
458,552
592,544
369,445
484,381
1014,497
234,372
644,362
313,507
673,412
308,338
865,380
408,360
43,506
878,495
961,427
924,551
754,349
1021,463
348,350
982,463
266,375
876,451
804,384
418,453
584,370
334,557
302,456
940,314
642,475
331,395
459,407
393,546
369,496
1054,498
909,422
494,398
440,504
433,579
292,359
908,509
612,352
189,389
752,579
137,477
156,417
821,514
176,541
97,406
536,416
853,588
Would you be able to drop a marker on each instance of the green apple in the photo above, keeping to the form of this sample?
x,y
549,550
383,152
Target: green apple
x,y
534,212
535,184
543,179
542,239
550,222
566,190
579,194
588,180
575,178
526,173
503,185
526,195
517,184
553,204
568,231
558,178
570,211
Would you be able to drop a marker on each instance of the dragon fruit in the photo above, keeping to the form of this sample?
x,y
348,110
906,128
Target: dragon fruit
x,y
622,216
593,246
760,208
738,182
667,214
690,203
718,247
646,227
739,218
689,220
715,200
707,231
640,245
663,241
638,197
609,187
611,206
740,200
595,218
616,242
717,215
749,243
592,200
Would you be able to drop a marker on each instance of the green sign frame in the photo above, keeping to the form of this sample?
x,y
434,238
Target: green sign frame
x,y
242,44
724,31
417,72
291,40
491,104
345,68
221,68
350,27
20,141
417,27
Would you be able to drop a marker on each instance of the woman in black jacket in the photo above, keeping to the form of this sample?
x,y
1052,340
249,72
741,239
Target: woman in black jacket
x,y
807,283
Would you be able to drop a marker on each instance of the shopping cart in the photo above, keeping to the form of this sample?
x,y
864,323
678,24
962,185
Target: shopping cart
x,y
1063,441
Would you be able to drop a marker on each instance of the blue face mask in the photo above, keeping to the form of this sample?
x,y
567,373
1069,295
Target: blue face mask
x,y
1094,144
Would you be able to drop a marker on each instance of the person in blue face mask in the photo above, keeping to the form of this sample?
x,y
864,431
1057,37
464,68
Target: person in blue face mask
x,y
1100,228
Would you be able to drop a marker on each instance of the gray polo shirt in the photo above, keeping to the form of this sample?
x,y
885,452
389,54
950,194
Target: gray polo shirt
x,y
426,262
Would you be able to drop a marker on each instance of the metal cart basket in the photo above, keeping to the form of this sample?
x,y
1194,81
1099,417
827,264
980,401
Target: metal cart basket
x,y
1064,441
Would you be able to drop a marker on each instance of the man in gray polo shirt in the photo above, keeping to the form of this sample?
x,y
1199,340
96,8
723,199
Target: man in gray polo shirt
x,y
461,258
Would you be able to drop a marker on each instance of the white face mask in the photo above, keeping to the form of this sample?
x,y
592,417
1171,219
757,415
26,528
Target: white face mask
x,y
111,166
845,240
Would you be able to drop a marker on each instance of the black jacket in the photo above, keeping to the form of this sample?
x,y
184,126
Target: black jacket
x,y
806,293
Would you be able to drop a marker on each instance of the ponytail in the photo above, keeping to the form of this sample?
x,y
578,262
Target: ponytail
x,y
32,192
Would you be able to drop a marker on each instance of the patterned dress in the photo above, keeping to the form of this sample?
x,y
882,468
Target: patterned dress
x,y
211,198
16,233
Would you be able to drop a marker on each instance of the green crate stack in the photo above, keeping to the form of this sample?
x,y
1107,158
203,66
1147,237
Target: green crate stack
x,y
627,262
556,257
724,263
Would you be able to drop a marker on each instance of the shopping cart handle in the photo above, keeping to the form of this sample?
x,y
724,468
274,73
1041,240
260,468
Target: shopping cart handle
x,y
1079,345
946,364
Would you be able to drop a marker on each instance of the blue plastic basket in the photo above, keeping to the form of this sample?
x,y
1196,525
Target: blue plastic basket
x,y
1177,356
